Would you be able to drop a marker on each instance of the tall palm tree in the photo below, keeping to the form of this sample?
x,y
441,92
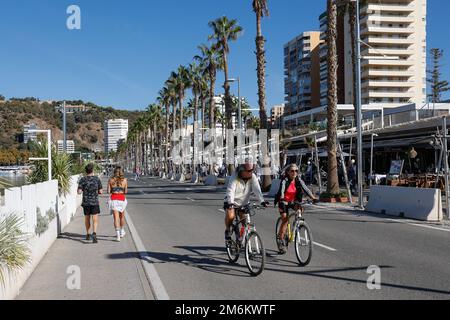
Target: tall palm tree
x,y
173,96
197,84
210,61
333,181
225,31
180,82
164,100
261,10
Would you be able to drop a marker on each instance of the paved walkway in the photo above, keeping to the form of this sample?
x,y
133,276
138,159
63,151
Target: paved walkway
x,y
101,277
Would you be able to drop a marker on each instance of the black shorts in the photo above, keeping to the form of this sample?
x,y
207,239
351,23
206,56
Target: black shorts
x,y
91,210
284,207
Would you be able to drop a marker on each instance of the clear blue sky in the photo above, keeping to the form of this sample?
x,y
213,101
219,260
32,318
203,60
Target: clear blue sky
x,y
127,49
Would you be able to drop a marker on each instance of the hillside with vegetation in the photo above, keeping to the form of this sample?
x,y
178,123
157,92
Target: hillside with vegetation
x,y
84,127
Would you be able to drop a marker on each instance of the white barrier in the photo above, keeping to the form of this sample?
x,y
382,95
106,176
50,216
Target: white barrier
x,y
25,202
413,203
211,181
274,187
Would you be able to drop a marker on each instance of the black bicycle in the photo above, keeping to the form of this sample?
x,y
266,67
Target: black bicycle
x,y
244,236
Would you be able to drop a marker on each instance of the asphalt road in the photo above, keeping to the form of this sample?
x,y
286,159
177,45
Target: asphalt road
x,y
181,227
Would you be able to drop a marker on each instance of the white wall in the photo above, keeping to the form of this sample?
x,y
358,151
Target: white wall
x,y
24,202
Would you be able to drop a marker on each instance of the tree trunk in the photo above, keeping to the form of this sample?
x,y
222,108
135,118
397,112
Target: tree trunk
x,y
166,149
228,105
194,168
174,127
333,181
212,105
261,71
352,22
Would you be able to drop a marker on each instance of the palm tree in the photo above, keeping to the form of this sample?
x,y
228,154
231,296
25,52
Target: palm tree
x,y
261,10
164,100
180,82
333,181
224,31
172,96
210,61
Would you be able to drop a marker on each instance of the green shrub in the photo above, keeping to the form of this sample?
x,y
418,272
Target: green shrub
x,y
14,251
42,223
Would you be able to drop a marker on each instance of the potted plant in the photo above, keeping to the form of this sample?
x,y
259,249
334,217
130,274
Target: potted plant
x,y
334,198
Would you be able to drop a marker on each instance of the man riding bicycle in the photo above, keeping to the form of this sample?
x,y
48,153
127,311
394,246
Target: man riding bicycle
x,y
239,190
289,196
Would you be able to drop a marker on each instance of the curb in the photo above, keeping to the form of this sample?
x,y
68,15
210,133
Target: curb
x,y
156,285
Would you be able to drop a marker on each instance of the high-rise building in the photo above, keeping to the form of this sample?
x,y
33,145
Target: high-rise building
x,y
301,69
70,147
115,130
29,136
394,29
276,115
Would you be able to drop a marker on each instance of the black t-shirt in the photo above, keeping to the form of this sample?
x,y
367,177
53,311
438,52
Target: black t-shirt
x,y
90,185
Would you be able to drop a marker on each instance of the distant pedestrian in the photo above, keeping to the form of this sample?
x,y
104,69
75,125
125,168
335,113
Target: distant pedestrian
x,y
90,186
118,188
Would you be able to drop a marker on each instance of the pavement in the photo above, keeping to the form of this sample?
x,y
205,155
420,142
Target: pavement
x,y
101,278
179,230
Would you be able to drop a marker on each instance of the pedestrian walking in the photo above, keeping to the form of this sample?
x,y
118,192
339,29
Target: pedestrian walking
x,y
118,188
90,187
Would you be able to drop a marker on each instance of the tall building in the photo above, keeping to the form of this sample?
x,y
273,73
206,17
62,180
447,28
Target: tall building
x,y
115,130
396,29
70,148
29,136
276,115
301,69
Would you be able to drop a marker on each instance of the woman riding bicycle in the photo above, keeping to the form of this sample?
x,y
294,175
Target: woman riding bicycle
x,y
290,196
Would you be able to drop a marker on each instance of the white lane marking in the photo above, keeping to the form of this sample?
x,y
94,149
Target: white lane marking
x,y
419,225
190,199
171,192
159,291
188,189
324,246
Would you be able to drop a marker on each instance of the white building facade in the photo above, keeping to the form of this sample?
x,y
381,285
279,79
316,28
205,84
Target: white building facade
x,y
115,130
70,148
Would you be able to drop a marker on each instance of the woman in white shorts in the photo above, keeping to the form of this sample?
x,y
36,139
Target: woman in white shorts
x,y
118,188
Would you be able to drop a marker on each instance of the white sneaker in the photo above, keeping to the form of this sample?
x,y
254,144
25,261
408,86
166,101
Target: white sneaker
x,y
118,236
122,233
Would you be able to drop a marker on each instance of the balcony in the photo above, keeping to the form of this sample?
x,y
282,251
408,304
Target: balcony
x,y
388,84
400,63
387,52
385,40
387,73
387,30
388,19
390,7
388,94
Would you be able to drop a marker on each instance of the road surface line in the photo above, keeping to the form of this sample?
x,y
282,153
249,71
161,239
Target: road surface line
x,y
190,199
324,246
420,225
159,291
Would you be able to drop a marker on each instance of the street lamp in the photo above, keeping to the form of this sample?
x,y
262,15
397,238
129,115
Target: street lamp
x,y
359,100
49,151
371,158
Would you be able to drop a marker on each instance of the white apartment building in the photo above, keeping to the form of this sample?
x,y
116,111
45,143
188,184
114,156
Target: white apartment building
x,y
396,29
70,147
115,130
29,136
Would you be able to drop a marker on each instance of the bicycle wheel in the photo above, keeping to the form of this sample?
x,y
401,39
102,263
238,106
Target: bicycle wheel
x,y
255,254
233,248
303,244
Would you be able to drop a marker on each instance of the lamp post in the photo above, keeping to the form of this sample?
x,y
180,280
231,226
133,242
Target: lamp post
x,y
49,151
